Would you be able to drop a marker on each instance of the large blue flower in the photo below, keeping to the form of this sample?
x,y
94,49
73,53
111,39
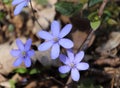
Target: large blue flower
x,y
23,53
55,38
73,63
20,4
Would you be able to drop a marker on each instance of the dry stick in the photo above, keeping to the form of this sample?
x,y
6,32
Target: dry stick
x,y
85,44
100,12
34,14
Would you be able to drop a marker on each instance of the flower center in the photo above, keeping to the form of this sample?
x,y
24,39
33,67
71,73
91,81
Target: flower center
x,y
56,39
72,65
24,53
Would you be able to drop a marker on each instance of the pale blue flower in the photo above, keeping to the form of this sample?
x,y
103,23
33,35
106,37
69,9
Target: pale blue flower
x,y
73,63
19,5
55,38
23,53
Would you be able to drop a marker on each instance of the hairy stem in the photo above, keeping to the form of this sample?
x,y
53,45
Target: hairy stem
x,y
34,14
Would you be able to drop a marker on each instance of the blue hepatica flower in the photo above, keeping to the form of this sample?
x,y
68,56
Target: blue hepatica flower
x,y
73,63
20,4
55,38
23,53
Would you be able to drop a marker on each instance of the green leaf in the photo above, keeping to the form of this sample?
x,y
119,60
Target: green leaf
x,y
94,25
112,22
10,27
34,71
21,70
68,8
42,2
93,2
2,15
12,83
93,16
63,75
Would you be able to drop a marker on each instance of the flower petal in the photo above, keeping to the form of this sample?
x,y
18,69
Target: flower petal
x,y
55,51
31,53
55,28
82,66
18,62
64,59
15,53
28,44
27,61
70,55
66,43
75,74
45,46
64,69
45,35
65,30
20,44
15,2
79,56
19,8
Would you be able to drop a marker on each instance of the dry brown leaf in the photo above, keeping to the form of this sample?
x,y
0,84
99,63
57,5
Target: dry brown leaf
x,y
78,38
110,47
2,78
5,84
108,61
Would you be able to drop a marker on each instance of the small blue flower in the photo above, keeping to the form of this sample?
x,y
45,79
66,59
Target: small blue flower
x,y
20,4
55,39
73,63
23,53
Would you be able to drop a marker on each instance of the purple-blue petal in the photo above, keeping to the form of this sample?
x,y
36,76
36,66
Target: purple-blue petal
x,y
28,44
19,8
55,28
18,61
64,69
66,43
15,2
31,53
55,51
45,35
27,62
79,56
70,55
82,66
15,53
45,46
20,44
75,75
65,30
64,59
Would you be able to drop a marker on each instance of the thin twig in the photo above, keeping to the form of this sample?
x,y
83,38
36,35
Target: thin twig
x,y
34,15
55,80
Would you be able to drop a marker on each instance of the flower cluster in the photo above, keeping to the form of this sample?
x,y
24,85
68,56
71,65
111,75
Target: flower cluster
x,y
55,38
20,4
23,53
